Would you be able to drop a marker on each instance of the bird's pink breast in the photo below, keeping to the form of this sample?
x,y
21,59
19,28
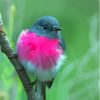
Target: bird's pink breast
x,y
40,51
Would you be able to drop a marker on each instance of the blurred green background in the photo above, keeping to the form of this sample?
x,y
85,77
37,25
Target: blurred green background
x,y
78,78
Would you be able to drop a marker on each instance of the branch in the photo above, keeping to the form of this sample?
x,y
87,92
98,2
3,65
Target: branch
x,y
7,50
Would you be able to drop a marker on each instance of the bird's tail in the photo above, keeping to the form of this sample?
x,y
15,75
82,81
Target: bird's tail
x,y
44,90
40,89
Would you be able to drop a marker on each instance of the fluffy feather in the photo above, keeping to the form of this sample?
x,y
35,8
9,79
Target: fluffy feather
x,y
41,56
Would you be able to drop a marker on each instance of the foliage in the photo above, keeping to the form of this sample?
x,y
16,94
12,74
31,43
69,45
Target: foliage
x,y
78,78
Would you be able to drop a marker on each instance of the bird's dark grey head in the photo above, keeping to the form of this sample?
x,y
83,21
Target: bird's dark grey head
x,y
46,26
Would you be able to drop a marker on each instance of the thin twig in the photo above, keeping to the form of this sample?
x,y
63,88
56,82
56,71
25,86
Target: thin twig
x,y
7,50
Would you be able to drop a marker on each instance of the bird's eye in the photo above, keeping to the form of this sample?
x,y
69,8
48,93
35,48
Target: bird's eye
x,y
45,27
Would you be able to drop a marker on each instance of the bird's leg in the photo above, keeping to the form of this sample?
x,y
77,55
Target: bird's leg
x,y
14,55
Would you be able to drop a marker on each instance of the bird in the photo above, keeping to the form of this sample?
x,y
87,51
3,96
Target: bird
x,y
41,49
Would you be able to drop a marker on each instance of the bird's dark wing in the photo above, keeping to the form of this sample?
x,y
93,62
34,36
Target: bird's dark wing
x,y
61,45
49,83
61,41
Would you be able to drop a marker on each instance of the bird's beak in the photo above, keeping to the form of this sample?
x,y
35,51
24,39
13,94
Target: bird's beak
x,y
56,28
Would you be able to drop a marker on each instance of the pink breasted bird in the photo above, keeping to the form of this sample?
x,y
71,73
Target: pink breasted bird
x,y
41,49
